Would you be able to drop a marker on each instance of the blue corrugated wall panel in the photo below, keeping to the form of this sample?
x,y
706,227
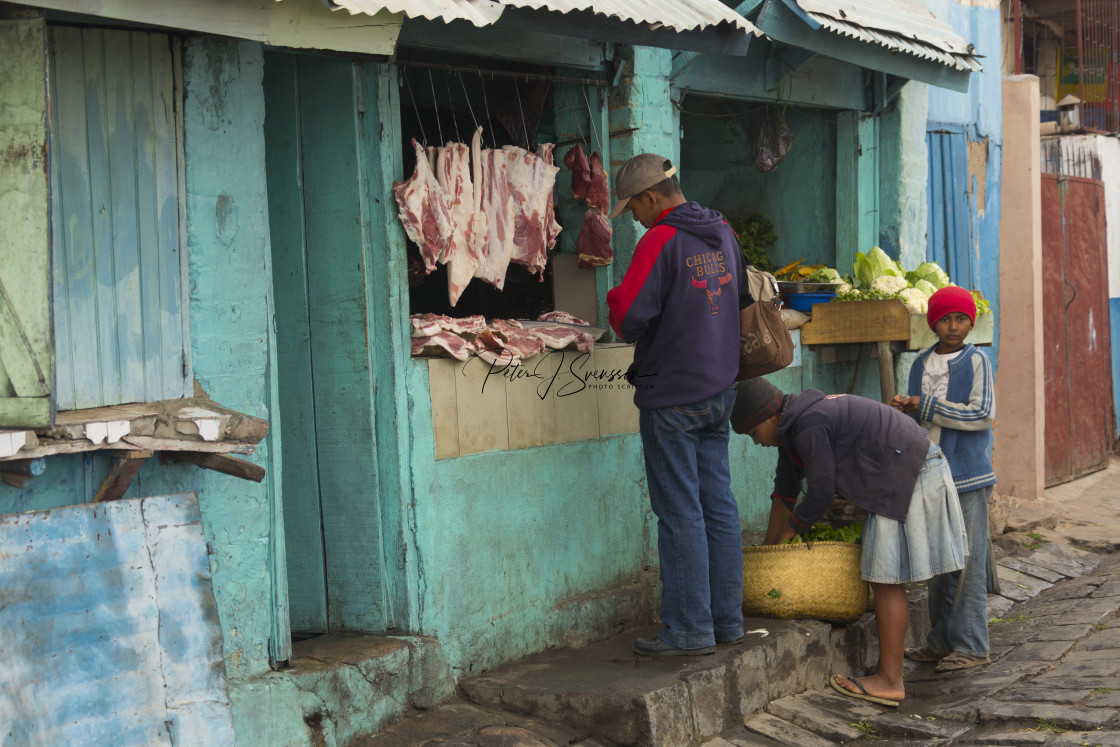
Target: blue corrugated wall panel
x,y
118,312
108,627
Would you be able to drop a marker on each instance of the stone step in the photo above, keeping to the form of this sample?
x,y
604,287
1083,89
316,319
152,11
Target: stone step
x,y
624,698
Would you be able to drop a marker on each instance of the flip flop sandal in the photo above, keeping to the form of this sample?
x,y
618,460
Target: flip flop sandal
x,y
862,694
923,654
955,662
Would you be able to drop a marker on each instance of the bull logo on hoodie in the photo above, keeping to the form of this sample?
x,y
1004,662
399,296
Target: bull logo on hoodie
x,y
713,288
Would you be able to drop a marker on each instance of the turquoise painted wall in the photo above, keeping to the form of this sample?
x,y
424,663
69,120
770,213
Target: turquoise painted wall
x,y
231,311
798,197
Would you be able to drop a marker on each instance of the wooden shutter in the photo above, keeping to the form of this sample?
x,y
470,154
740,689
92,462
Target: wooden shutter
x,y
26,363
950,229
120,320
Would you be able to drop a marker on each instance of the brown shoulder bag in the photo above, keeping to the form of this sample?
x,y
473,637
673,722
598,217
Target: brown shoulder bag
x,y
765,344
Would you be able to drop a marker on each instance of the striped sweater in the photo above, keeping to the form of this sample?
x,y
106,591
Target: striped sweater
x,y
965,415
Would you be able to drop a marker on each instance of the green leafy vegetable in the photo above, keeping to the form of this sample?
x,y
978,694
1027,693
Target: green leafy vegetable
x,y
875,264
829,533
755,235
926,287
982,305
773,593
931,272
825,275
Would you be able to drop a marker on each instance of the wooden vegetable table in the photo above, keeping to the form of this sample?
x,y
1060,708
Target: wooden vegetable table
x,y
879,322
882,323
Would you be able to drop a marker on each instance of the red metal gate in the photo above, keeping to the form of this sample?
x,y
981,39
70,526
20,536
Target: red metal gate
x,y
1076,330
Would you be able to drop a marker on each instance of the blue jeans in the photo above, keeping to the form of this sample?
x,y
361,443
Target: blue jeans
x,y
699,539
958,601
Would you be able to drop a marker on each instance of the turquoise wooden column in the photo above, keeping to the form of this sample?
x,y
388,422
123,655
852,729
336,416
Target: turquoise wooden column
x,y
857,186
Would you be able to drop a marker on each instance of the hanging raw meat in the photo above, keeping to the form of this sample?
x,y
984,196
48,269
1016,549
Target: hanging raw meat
x,y
551,225
594,242
425,210
500,209
577,163
598,195
530,185
453,174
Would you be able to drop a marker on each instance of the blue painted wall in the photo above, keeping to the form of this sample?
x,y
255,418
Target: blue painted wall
x,y
980,112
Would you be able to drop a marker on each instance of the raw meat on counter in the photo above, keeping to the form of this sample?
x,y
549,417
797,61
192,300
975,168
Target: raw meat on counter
x,y
562,317
594,242
499,341
424,325
425,211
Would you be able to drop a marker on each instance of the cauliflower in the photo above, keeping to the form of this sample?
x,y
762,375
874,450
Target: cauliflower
x,y
843,288
916,301
889,284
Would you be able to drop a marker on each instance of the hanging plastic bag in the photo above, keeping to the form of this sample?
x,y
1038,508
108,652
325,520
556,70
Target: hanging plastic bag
x,y
773,141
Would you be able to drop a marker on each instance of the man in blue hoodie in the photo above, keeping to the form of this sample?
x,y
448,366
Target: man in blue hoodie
x,y
678,304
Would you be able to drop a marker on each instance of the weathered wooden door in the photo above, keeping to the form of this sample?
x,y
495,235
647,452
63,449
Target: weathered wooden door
x,y
330,478
1076,330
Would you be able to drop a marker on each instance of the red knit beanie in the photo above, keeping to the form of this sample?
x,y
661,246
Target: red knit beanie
x,y
950,300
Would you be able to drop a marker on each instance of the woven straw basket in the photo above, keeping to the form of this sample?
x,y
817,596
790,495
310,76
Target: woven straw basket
x,y
807,579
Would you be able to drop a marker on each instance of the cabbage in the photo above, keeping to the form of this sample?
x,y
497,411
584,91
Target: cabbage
x,y
824,275
875,264
931,273
926,287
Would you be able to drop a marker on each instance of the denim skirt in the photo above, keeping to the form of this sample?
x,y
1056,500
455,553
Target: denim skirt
x,y
932,539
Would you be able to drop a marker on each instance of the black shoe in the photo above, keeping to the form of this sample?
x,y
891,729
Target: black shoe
x,y
658,647
731,641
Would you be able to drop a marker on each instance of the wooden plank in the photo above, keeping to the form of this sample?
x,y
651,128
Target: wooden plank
x,y
25,329
581,53
337,226
299,478
25,412
105,414
119,479
856,321
223,463
170,444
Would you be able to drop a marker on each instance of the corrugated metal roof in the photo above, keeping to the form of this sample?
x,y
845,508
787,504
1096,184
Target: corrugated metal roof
x,y
676,15
899,25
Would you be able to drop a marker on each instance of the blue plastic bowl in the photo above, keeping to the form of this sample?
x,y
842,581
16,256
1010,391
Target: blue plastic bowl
x,y
805,301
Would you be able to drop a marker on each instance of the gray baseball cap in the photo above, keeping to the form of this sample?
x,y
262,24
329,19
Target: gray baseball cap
x,y
636,176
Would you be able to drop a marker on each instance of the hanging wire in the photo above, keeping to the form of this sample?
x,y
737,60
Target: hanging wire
x,y
524,129
435,108
575,115
411,95
468,98
591,121
451,103
486,104
540,113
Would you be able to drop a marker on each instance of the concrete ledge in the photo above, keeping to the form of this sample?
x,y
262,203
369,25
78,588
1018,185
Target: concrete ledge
x,y
341,686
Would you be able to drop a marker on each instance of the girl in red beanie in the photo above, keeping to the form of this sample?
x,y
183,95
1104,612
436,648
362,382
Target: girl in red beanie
x,y
951,394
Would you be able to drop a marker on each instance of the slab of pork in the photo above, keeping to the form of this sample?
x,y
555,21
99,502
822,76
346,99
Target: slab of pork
x,y
425,210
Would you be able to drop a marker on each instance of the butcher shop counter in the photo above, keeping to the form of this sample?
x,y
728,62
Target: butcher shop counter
x,y
556,397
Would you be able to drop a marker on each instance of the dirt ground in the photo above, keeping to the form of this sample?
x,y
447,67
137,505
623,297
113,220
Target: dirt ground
x,y
1084,513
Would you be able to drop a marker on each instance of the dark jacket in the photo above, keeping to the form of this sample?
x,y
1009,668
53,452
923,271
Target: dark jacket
x,y
850,446
679,304
965,415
